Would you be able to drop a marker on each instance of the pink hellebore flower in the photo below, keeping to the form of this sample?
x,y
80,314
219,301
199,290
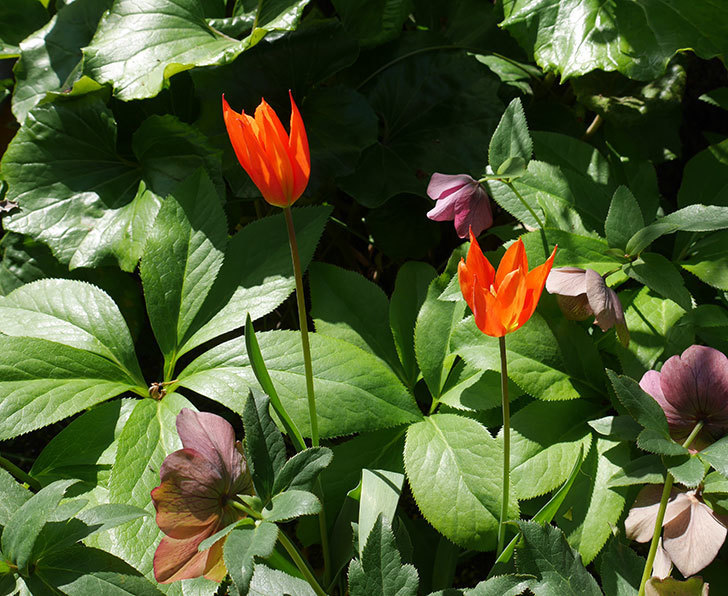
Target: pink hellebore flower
x,y
582,293
692,536
462,199
690,388
192,501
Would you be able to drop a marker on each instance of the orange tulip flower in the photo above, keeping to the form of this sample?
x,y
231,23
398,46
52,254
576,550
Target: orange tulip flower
x,y
278,164
502,301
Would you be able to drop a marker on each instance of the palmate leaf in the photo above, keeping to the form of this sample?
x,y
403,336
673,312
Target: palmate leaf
x,y
18,19
572,37
121,53
79,196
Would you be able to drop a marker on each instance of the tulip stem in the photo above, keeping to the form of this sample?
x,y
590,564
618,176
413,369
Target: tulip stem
x,y
506,446
300,563
647,572
303,323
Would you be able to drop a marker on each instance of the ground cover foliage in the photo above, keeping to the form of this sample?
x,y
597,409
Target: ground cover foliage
x,y
143,275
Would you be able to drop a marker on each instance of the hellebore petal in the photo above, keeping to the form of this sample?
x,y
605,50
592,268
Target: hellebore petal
x,y
503,300
462,199
278,164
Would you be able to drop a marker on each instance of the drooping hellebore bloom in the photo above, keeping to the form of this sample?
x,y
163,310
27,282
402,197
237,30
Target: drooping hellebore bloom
x,y
462,199
582,293
279,164
693,534
503,300
691,388
192,501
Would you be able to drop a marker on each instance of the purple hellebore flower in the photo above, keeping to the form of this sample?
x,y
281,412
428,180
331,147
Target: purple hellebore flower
x,y
462,199
582,293
693,533
690,388
192,501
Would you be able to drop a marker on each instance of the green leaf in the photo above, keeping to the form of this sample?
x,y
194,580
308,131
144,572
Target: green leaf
x,y
687,469
301,471
660,275
546,442
455,469
13,496
573,38
535,362
647,469
373,23
268,581
290,505
18,19
717,455
23,528
574,250
79,571
470,388
558,566
715,483
44,382
624,218
501,585
264,447
620,569
622,427
75,314
380,572
656,442
708,261
706,176
256,275
120,52
591,509
50,59
511,138
85,449
347,306
355,391
642,406
410,292
67,151
434,327
380,492
669,586
242,546
181,260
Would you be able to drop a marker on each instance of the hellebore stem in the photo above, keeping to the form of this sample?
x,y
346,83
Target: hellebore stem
x,y
20,474
533,214
303,323
647,572
506,446
300,563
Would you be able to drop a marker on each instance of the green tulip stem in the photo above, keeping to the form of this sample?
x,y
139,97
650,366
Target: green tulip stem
x,y
303,323
300,563
647,572
506,446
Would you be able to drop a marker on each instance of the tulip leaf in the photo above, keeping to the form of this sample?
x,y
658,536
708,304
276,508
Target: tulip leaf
x,y
301,471
624,218
44,382
660,275
379,497
510,140
182,257
410,292
546,440
268,581
379,571
82,570
264,446
557,566
355,392
79,196
347,306
75,314
573,38
708,261
535,362
120,53
256,275
22,530
717,455
51,57
454,468
242,546
290,505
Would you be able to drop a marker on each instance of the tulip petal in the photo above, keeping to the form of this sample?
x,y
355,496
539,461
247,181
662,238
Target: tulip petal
x,y
274,140
535,282
478,264
298,151
513,260
466,279
509,300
